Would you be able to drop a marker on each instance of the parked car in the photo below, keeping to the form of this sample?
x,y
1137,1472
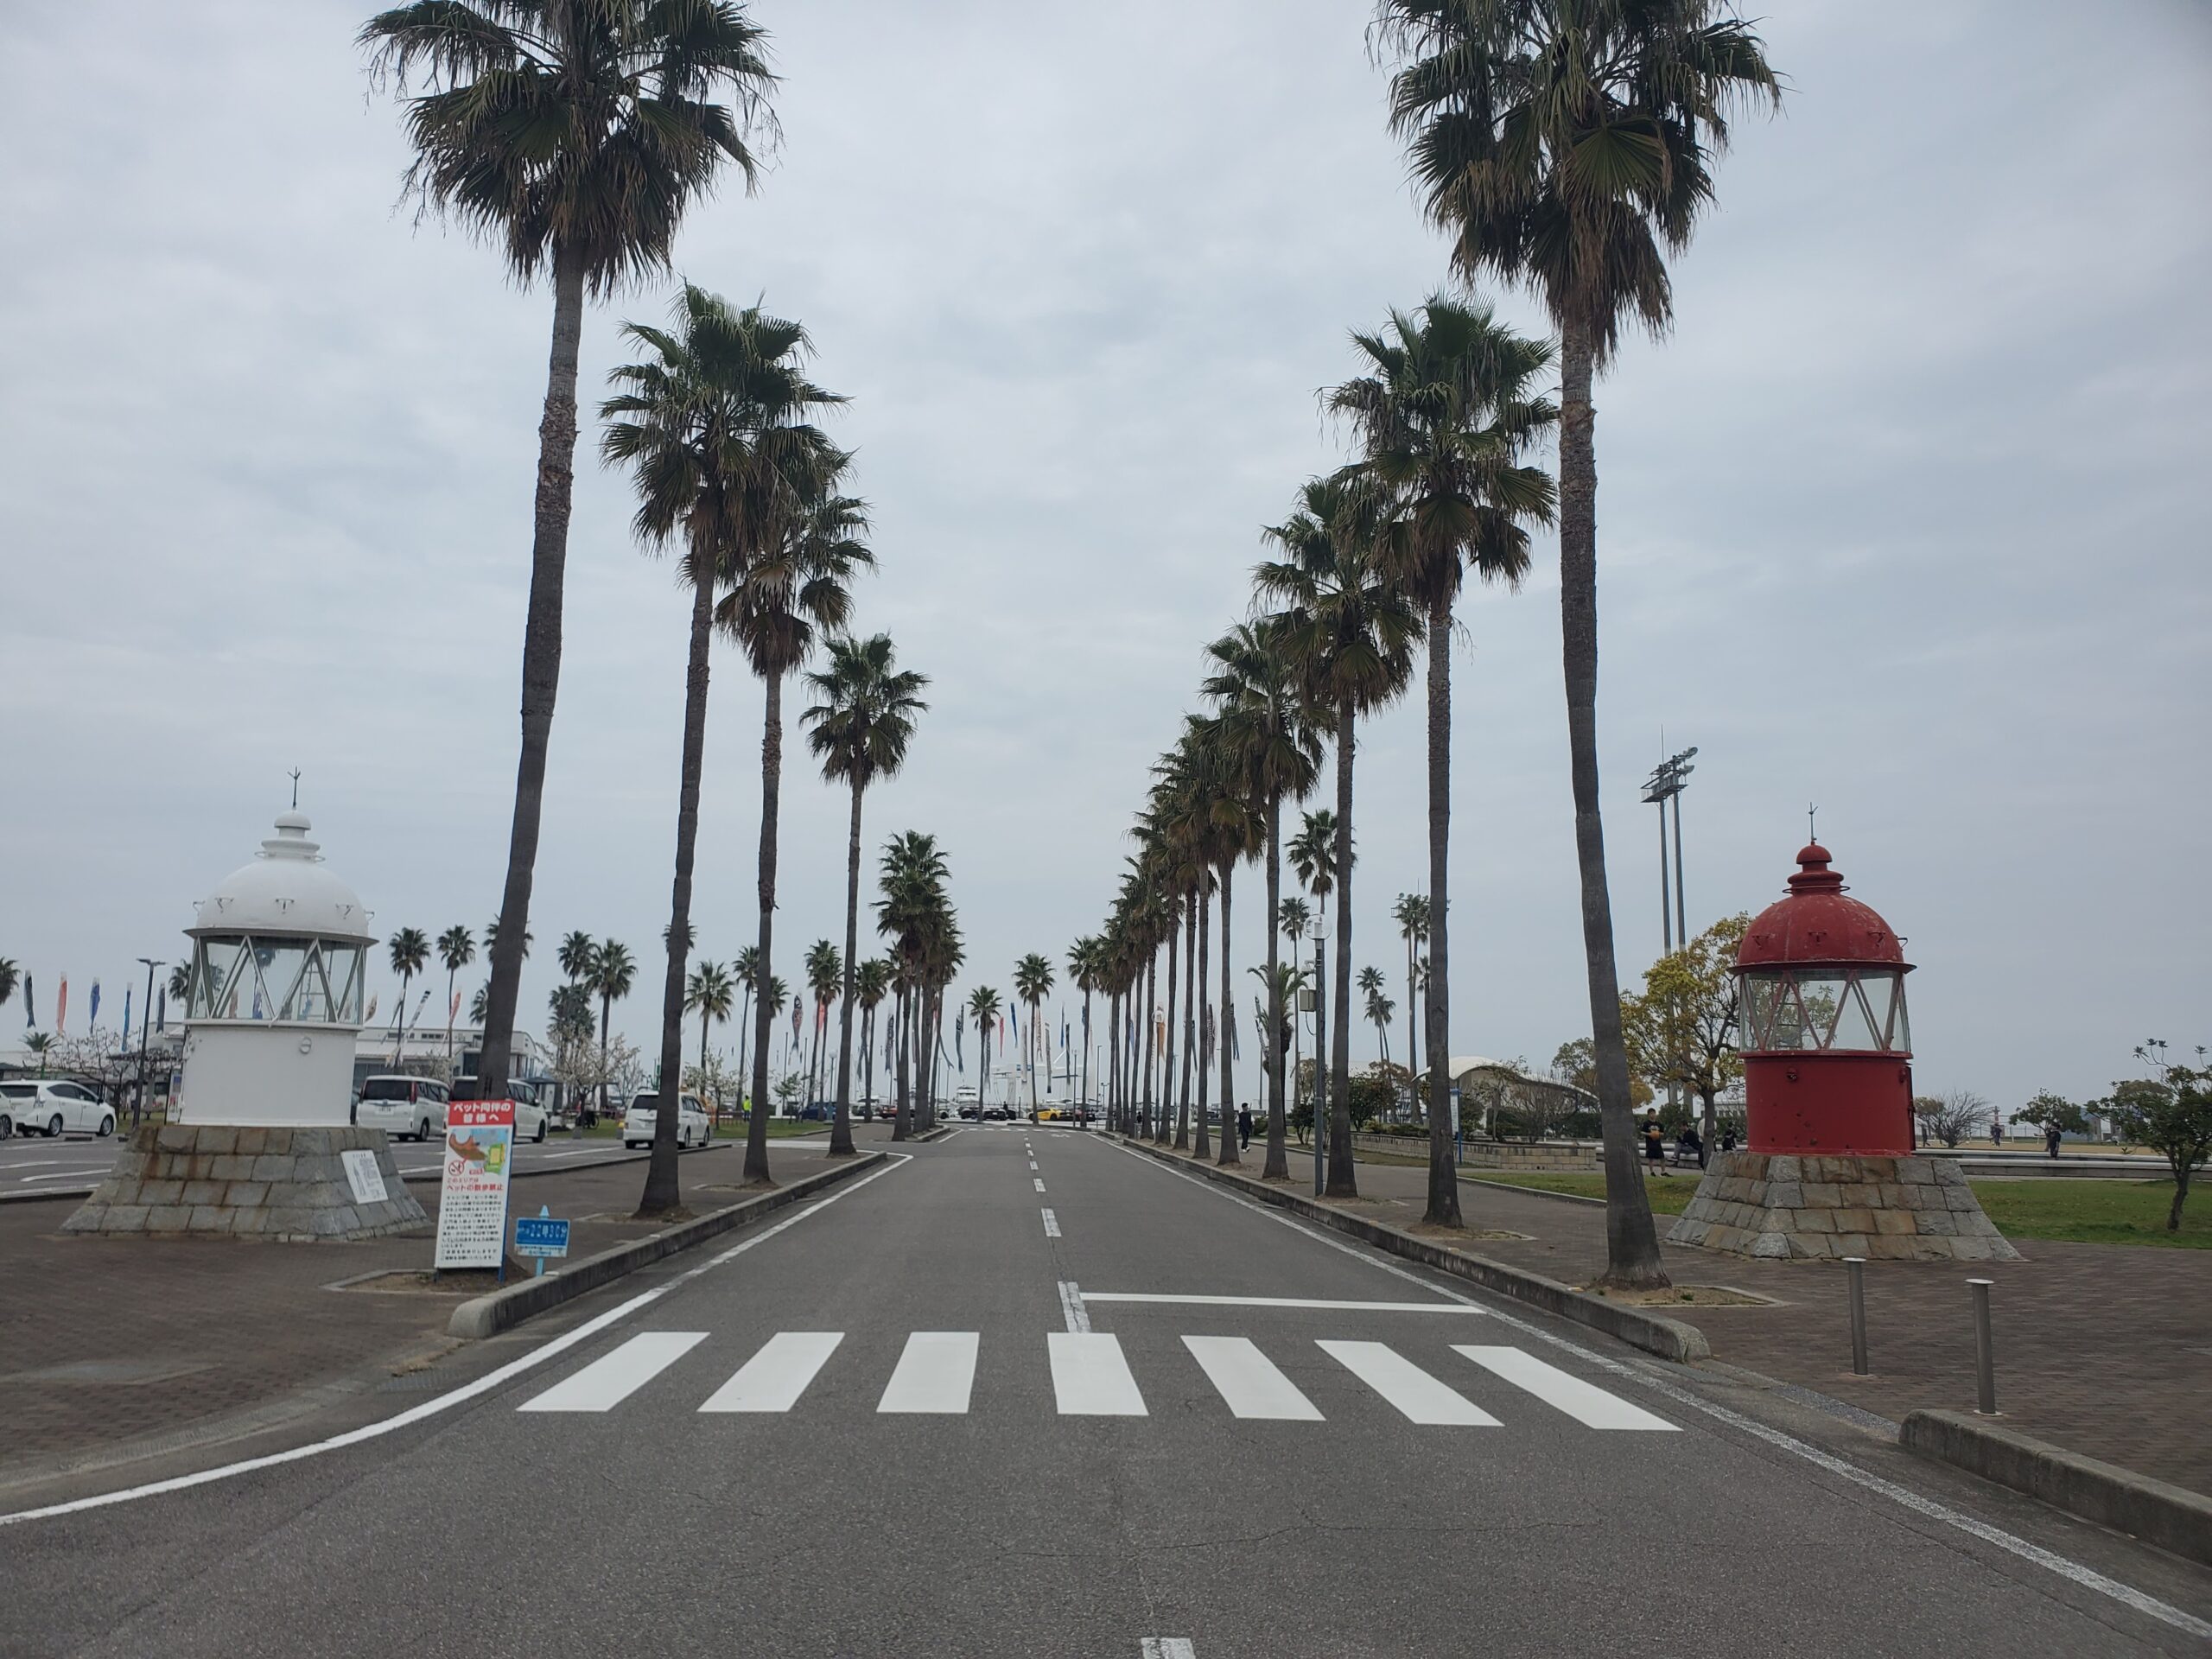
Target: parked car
x,y
414,1108
53,1107
693,1127
531,1119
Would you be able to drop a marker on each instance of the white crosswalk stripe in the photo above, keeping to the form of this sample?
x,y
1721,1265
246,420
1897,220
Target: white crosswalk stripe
x,y
1089,1376
936,1374
612,1378
1249,1382
1417,1395
774,1379
1584,1402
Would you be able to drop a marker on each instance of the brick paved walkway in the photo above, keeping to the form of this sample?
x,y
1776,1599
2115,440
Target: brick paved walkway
x,y
2103,1349
109,1344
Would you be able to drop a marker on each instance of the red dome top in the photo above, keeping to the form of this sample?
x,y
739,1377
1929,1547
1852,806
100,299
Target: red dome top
x,y
1817,924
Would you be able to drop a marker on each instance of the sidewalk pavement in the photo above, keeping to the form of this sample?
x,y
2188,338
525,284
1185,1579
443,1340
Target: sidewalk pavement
x,y
2102,1349
113,1348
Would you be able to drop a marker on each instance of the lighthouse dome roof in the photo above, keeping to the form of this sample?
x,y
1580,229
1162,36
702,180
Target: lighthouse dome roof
x,y
287,889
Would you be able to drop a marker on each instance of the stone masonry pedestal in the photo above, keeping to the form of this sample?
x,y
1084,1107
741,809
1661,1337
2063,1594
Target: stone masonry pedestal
x,y
1816,1209
215,1181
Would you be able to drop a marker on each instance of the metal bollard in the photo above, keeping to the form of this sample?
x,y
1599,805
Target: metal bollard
x,y
1856,1267
1985,1353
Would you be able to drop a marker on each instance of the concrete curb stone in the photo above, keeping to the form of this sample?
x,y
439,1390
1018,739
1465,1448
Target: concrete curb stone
x,y
484,1316
1668,1338
2155,1511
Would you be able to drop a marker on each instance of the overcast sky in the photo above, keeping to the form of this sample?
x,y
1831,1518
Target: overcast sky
x,y
1908,517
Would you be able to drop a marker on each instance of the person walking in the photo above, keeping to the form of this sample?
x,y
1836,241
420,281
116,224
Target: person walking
x,y
2050,1138
1244,1127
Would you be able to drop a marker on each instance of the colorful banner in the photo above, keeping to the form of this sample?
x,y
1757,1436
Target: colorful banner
x,y
472,1201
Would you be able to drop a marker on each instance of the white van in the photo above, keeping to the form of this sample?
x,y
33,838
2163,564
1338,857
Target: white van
x,y
413,1109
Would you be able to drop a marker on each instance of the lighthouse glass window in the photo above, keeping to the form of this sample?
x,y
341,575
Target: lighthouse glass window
x,y
1849,1009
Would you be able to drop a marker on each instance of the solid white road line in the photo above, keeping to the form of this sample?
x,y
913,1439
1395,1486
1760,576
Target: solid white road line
x,y
1039,1182
1051,1224
1169,1647
1249,1382
2074,1571
936,1374
1072,1306
60,1174
1089,1376
774,1379
1279,1301
1584,1402
612,1378
1418,1397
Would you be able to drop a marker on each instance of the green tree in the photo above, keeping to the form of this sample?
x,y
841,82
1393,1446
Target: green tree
x,y
914,914
1566,146
1412,913
573,134
613,970
870,984
715,421
457,949
2048,1111
2172,1115
711,994
824,970
1380,1010
793,590
1032,983
1350,628
180,983
410,954
983,1004
10,975
1445,413
1086,972
575,955
746,968
1682,1028
860,729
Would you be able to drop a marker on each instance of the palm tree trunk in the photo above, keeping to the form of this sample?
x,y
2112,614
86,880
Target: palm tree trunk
x,y
605,1018
663,1195
451,973
1342,1183
771,771
541,663
1190,1019
1632,1260
1151,1034
1202,1142
1276,1167
1443,1173
1182,1126
903,1116
1416,1014
744,1046
1228,1153
1085,1101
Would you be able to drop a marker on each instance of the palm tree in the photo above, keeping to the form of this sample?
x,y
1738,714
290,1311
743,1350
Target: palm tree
x,y
795,588
861,728
1086,971
1443,415
39,1043
1568,148
1291,919
714,422
9,974
824,973
492,941
870,984
1350,628
1032,983
613,970
1414,915
410,954
746,968
457,949
575,955
1379,1007
983,1003
179,982
711,995
573,134
1254,684
912,913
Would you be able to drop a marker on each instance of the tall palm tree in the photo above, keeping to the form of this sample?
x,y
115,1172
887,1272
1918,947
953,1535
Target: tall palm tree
x,y
1444,413
1568,147
746,968
1292,920
1086,972
1414,915
870,984
913,914
711,994
457,949
575,955
1254,684
983,1004
492,941
714,421
574,135
1351,627
793,590
9,974
825,973
180,984
859,730
613,970
410,954
1033,984
1371,987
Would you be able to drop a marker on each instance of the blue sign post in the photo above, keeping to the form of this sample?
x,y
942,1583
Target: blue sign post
x,y
540,1236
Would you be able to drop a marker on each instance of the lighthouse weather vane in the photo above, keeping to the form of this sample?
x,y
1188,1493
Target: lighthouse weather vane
x,y
295,776
1810,834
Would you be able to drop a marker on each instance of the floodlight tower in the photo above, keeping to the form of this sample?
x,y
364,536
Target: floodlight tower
x,y
1666,784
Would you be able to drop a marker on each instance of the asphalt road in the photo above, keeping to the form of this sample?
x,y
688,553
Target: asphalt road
x,y
925,1416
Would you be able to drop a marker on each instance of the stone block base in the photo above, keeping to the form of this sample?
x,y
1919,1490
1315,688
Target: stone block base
x,y
212,1181
1818,1209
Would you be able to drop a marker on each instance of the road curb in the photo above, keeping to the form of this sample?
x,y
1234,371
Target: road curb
x,y
2155,1511
486,1316
1668,1338
937,1134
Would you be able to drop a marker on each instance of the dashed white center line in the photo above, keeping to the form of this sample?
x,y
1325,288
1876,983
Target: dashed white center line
x,y
1072,1306
1051,1225
1038,1182
1169,1647
1032,1163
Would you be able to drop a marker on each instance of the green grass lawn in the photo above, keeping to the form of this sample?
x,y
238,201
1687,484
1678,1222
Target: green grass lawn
x,y
2088,1212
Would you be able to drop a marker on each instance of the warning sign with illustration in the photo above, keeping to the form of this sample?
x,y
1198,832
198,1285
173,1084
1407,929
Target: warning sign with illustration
x,y
473,1203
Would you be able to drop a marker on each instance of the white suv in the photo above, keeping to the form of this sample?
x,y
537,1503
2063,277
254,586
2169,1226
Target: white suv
x,y
531,1119
693,1127
54,1107
413,1109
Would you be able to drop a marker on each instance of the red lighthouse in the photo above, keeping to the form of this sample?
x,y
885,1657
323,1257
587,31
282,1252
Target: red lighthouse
x,y
1827,1054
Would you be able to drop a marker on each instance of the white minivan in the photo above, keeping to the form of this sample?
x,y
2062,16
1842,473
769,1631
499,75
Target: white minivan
x,y
693,1127
414,1108
531,1119
53,1107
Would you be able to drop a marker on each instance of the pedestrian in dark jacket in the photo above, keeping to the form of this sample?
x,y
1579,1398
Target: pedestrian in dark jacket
x,y
1243,1126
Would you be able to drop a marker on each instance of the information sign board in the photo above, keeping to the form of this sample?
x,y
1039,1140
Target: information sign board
x,y
473,1199
541,1235
363,1176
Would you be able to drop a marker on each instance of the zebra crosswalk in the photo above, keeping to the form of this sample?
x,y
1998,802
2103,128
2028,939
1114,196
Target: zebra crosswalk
x,y
1091,1376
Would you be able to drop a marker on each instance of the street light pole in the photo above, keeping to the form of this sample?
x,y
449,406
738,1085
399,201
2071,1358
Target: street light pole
x,y
145,1025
